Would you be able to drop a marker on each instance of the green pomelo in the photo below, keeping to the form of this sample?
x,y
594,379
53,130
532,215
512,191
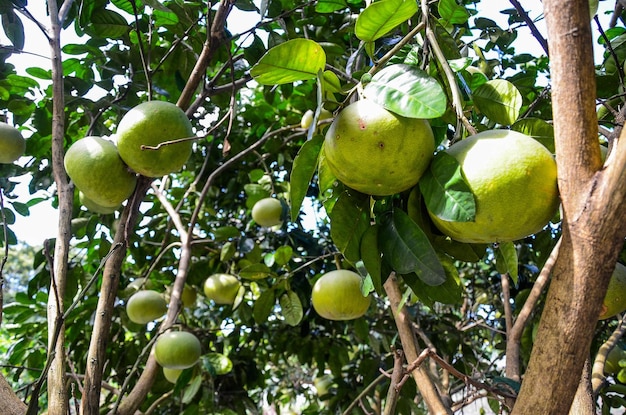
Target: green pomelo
x,y
375,151
222,288
615,297
177,350
97,170
267,212
513,178
145,306
336,295
93,206
150,124
172,375
12,143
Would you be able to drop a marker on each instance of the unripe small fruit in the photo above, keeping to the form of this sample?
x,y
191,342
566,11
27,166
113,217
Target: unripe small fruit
x,y
337,295
177,350
267,212
222,288
172,375
145,306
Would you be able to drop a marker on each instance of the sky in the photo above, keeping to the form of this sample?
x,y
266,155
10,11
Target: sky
x,y
42,222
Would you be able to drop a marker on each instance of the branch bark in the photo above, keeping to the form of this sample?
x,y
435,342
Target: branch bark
x,y
57,395
593,221
424,383
9,401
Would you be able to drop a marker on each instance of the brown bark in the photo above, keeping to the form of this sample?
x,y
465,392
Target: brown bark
x,y
9,401
583,400
57,394
593,221
424,383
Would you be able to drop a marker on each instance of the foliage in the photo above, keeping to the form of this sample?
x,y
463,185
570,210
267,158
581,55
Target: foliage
x,y
269,347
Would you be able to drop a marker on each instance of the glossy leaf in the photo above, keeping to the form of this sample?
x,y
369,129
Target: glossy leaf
x,y
451,12
330,6
382,16
407,249
449,292
540,130
445,190
349,220
370,255
291,308
506,260
263,306
294,60
499,100
107,23
14,29
408,91
304,166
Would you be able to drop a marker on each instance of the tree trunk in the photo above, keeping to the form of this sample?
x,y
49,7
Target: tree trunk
x,y
593,219
9,401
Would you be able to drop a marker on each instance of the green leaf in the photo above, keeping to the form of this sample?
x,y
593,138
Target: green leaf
x,y
225,232
14,29
255,272
294,60
283,255
445,190
370,255
452,13
220,364
408,91
349,220
407,249
107,23
263,306
304,166
165,18
380,17
330,6
291,308
506,260
499,100
192,389
450,292
540,130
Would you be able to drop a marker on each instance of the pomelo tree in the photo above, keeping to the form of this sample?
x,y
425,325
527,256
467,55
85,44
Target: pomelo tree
x,y
512,324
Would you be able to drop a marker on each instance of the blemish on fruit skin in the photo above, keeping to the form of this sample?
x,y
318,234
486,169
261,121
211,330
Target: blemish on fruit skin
x,y
362,124
381,145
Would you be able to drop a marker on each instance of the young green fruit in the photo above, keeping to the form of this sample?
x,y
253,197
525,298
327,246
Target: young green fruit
x,y
222,288
97,170
177,350
267,212
151,124
513,179
615,298
145,306
337,295
12,143
375,151
94,207
172,375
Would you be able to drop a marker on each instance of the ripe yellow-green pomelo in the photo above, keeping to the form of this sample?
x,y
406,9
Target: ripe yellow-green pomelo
x,y
177,350
615,298
150,124
222,288
94,207
267,212
337,295
145,306
375,151
97,170
513,178
12,143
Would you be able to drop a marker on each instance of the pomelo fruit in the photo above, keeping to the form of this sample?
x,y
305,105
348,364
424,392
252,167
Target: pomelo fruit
x,y
177,350
95,167
615,298
513,178
267,212
145,306
375,151
94,207
150,124
222,288
337,295
12,143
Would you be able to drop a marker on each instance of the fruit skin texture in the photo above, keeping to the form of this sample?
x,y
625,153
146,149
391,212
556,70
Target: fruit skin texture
x,y
145,306
12,143
97,170
375,151
151,123
177,350
513,178
337,295
267,212
222,288
615,297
